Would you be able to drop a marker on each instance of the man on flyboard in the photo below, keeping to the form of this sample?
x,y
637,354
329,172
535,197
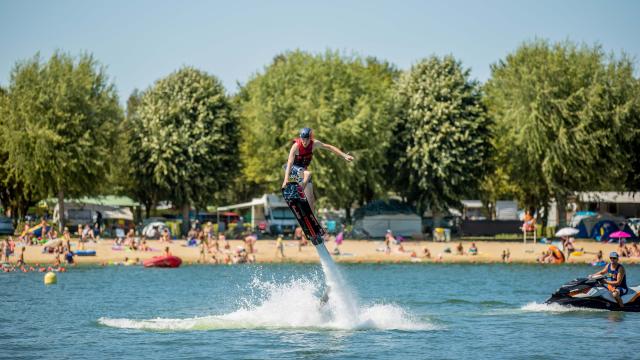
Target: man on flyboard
x,y
300,157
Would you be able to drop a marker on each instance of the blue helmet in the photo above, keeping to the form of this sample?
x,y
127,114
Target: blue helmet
x,y
305,133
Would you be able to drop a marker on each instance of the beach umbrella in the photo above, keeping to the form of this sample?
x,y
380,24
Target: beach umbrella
x,y
619,235
568,231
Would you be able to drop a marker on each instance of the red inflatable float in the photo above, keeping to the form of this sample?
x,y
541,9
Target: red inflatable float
x,y
163,261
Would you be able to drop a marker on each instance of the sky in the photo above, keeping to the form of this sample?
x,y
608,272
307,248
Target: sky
x,y
141,41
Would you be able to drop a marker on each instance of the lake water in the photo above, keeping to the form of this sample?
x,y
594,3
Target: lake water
x,y
275,312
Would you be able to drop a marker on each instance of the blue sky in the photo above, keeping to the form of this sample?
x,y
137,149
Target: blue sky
x,y
142,41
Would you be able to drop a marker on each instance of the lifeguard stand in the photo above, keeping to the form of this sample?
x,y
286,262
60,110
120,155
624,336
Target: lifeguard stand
x,y
529,231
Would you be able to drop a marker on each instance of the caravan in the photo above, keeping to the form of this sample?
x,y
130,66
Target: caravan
x,y
110,217
269,214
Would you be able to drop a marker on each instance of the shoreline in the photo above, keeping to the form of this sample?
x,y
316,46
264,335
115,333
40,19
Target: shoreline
x,y
352,252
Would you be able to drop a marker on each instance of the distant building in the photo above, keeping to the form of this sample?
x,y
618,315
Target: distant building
x,y
625,204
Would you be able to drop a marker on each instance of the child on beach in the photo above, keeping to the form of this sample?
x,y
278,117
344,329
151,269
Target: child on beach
x,y
388,238
87,234
143,246
66,236
165,237
21,258
568,245
25,238
280,246
298,234
427,253
203,252
225,243
215,245
249,242
6,251
506,254
635,250
473,250
338,241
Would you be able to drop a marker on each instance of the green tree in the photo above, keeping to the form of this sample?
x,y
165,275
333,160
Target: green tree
x,y
629,138
135,176
345,100
15,196
186,140
442,144
59,123
560,112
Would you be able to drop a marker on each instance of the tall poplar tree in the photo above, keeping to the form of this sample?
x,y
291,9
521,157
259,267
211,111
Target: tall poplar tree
x,y
441,141
186,139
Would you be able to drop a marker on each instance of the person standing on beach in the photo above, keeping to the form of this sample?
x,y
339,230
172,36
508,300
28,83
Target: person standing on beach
x,y
280,246
20,261
388,237
338,241
298,235
6,251
300,156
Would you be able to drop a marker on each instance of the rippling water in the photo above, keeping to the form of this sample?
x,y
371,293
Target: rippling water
x,y
275,311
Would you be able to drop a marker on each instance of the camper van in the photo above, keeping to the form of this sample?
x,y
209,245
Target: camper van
x,y
269,214
81,214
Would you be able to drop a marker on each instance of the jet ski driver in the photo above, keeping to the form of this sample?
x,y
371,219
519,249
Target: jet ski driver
x,y
300,157
615,278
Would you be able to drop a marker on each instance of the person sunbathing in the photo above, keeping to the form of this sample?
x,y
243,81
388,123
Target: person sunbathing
x,y
473,250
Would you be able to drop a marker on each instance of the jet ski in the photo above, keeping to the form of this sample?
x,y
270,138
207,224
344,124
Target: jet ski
x,y
592,292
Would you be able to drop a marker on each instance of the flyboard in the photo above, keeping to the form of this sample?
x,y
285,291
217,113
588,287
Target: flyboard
x,y
296,199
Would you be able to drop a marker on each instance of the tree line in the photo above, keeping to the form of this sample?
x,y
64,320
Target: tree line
x,y
552,119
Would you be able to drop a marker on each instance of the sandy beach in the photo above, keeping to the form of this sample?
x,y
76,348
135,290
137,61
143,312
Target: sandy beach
x,y
351,251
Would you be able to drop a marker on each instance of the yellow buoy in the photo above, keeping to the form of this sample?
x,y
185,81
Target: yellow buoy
x,y
50,278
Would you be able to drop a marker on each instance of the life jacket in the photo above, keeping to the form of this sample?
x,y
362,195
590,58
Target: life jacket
x,y
305,154
612,275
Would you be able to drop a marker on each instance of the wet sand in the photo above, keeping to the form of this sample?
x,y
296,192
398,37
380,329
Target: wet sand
x,y
351,251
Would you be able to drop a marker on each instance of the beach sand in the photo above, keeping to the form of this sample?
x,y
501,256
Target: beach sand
x,y
352,251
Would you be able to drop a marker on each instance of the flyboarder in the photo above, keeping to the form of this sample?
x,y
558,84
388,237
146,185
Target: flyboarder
x,y
300,157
